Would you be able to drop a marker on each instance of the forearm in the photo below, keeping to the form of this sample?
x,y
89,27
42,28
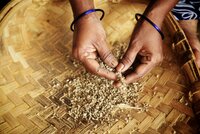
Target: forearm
x,y
157,10
79,6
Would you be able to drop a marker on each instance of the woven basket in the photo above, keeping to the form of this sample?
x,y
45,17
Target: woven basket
x,y
35,38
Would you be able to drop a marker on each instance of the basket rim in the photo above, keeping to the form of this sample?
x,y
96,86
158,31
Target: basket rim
x,y
8,10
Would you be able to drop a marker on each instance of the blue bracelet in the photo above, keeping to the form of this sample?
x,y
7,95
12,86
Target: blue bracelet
x,y
153,24
85,13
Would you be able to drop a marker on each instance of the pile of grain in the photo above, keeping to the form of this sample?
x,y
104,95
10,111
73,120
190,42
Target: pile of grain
x,y
93,98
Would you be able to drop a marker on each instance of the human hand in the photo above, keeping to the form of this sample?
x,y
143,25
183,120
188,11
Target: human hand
x,y
145,43
90,41
190,29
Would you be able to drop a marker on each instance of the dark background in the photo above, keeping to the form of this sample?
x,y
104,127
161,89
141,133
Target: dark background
x,y
3,3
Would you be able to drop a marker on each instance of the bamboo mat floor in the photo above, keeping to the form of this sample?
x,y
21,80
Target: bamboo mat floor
x,y
35,39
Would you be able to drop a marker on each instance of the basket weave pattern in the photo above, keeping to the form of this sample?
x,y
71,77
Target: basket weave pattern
x,y
35,39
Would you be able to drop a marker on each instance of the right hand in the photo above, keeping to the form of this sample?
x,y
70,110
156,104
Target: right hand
x,y
145,43
90,41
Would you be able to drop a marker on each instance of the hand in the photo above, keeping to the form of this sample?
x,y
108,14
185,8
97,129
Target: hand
x,y
89,42
190,29
145,42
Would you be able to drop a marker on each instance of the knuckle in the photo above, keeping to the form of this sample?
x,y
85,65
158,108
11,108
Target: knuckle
x,y
140,74
157,60
135,46
107,55
80,57
100,40
77,55
154,61
127,60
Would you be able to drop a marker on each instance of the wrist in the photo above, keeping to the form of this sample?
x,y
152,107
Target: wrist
x,y
80,6
88,18
156,18
147,22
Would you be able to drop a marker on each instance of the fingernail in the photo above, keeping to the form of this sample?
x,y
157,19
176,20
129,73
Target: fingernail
x,y
114,63
120,67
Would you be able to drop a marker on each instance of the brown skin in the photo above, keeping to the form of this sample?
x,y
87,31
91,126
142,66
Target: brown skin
x,y
90,41
190,29
146,42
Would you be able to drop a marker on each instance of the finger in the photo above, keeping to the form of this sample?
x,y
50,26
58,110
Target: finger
x,y
106,55
93,66
90,50
127,59
140,71
144,53
106,74
91,55
146,59
117,84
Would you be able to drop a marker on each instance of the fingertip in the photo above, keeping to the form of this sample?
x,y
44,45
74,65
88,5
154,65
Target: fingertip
x,y
108,57
120,67
106,74
111,61
116,84
132,78
114,63
112,76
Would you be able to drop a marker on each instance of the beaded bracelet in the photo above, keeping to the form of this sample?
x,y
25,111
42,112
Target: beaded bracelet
x,y
153,24
85,13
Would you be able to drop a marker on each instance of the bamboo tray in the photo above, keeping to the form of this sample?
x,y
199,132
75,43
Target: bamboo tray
x,y
35,39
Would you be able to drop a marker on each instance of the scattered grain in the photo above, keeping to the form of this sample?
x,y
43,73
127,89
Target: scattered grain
x,y
92,98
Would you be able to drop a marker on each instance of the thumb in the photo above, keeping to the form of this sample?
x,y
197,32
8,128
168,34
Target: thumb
x,y
106,55
128,58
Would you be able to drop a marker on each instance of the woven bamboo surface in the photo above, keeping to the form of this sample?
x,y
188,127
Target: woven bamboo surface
x,y
35,39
